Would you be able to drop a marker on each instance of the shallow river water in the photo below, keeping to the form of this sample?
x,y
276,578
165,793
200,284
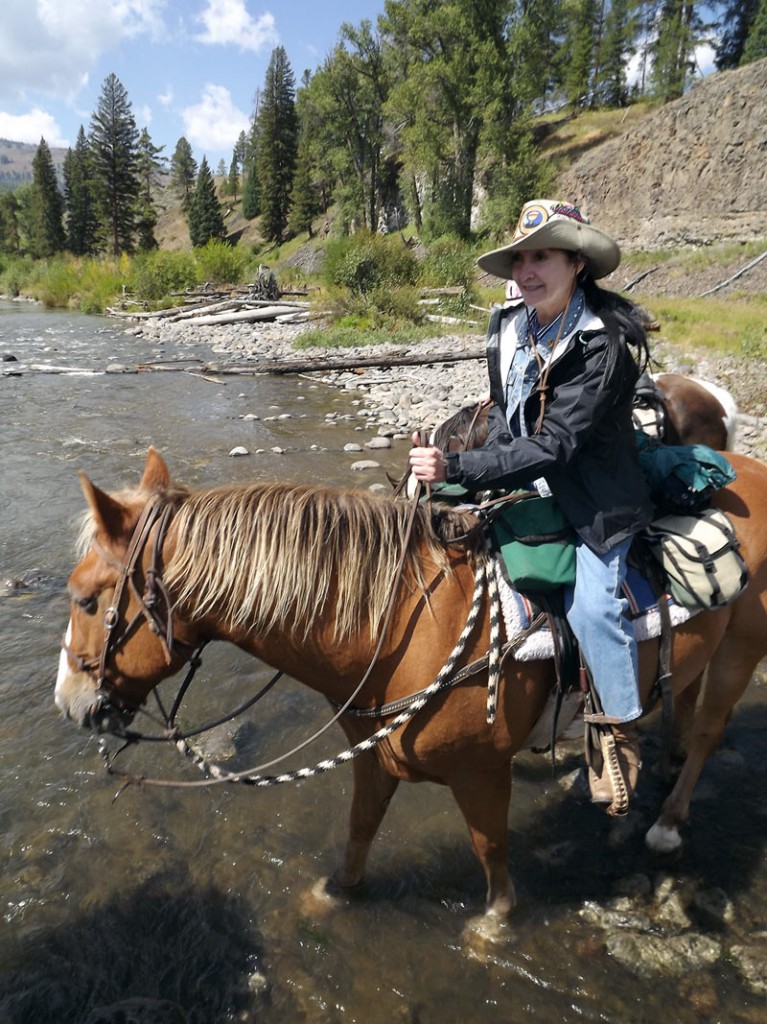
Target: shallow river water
x,y
204,897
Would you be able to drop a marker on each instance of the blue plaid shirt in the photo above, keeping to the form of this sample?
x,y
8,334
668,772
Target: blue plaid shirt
x,y
525,370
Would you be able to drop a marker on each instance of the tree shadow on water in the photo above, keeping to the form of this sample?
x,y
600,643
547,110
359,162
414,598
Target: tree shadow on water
x,y
191,948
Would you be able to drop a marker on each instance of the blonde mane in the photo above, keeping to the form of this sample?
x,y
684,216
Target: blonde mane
x,y
281,555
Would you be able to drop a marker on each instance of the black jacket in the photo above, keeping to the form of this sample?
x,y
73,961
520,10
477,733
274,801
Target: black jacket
x,y
586,448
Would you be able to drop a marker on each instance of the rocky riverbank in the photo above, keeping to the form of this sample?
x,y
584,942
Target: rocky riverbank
x,y
395,400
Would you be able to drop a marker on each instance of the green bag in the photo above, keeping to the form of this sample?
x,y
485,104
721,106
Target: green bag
x,y
536,544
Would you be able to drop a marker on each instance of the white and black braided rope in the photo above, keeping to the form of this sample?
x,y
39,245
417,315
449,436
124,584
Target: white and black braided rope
x,y
482,577
494,649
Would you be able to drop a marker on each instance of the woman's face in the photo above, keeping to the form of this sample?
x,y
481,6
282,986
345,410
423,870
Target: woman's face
x,y
546,278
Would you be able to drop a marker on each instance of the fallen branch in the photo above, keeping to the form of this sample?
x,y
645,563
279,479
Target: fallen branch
x,y
316,364
743,270
641,277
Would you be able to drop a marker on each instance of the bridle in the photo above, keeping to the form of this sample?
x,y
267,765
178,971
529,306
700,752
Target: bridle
x,y
154,608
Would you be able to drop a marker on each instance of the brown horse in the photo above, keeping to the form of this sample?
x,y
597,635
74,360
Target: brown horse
x,y
301,577
679,410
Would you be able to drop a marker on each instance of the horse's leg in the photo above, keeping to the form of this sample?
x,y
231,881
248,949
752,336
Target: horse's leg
x,y
373,789
685,704
729,674
483,798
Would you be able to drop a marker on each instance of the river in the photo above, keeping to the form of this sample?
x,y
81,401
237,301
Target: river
x,y
203,898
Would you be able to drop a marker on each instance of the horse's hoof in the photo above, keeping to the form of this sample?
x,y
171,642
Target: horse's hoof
x,y
482,936
663,839
324,897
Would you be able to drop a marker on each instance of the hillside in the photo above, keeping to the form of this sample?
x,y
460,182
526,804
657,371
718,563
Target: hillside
x,y
690,173
16,162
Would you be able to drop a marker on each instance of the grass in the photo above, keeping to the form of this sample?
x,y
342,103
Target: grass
x,y
734,325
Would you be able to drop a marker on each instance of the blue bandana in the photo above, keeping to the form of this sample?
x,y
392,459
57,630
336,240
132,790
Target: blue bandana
x,y
525,370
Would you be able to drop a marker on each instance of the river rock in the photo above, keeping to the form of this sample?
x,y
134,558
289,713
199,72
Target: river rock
x,y
648,955
751,961
714,908
364,464
239,450
352,447
379,442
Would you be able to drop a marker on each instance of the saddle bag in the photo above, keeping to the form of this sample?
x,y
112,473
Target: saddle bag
x,y
536,544
700,556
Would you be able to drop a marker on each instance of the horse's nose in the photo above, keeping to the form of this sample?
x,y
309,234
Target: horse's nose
x,y
103,717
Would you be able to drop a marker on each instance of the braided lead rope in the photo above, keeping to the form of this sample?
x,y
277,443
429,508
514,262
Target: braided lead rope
x,y
494,649
246,777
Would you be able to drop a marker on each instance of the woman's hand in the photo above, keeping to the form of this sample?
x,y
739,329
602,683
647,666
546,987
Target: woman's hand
x,y
427,464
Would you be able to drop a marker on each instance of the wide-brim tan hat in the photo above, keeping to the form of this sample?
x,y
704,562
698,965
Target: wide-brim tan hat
x,y
551,224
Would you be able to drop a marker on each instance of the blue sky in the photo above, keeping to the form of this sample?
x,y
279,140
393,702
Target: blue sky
x,y
191,67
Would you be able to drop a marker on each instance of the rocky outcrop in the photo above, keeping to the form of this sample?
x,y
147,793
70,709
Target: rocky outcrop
x,y
691,173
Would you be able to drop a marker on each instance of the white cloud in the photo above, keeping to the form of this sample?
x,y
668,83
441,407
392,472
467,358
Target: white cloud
x,y
214,124
228,21
166,98
49,46
143,116
31,127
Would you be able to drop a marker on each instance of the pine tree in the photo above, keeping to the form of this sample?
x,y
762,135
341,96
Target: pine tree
x,y
679,32
47,227
277,138
756,43
9,224
304,200
581,49
738,18
149,166
183,172
251,201
233,178
242,149
205,220
114,149
79,199
617,47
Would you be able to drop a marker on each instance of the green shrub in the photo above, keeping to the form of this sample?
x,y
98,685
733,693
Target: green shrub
x,y
101,282
55,282
449,262
156,275
220,263
15,271
365,262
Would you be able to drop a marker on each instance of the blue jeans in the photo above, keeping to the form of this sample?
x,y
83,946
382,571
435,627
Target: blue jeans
x,y
596,611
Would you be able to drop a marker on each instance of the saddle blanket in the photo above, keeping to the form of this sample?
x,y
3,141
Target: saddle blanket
x,y
519,612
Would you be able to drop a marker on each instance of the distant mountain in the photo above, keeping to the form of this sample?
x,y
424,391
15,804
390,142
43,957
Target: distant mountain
x,y
16,162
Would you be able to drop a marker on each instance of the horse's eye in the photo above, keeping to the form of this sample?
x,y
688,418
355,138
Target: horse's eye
x,y
88,604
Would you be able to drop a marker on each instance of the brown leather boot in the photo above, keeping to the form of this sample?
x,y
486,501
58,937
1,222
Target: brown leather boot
x,y
621,762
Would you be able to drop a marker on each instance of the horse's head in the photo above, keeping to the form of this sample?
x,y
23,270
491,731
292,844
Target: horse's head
x,y
121,639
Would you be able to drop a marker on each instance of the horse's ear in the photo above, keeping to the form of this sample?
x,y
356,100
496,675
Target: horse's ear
x,y
156,473
109,515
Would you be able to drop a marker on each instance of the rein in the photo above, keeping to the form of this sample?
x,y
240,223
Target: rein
x,y
403,709
250,776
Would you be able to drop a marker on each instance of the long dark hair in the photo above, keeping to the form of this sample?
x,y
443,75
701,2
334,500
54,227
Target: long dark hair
x,y
619,315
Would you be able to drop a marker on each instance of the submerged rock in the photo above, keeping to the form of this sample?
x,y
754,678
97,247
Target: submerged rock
x,y
647,955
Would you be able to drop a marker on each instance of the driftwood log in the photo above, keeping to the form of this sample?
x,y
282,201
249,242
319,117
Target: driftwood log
x,y
310,364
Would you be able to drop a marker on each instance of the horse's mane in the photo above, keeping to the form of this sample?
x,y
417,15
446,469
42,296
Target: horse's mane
x,y
280,555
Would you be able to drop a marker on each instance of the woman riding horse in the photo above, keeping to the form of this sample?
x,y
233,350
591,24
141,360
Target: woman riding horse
x,y
562,376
